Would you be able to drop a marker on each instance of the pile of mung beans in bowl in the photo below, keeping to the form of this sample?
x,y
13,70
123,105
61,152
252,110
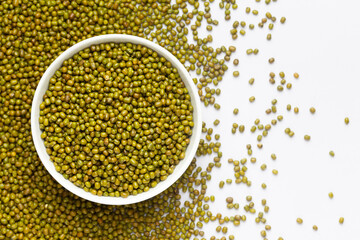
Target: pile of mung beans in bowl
x,y
115,119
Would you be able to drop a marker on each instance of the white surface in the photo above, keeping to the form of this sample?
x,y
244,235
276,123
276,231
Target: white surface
x,y
39,143
320,40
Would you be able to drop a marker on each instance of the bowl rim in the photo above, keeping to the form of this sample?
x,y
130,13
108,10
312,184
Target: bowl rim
x,y
43,86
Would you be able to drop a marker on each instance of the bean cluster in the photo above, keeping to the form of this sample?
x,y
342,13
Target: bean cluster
x,y
116,119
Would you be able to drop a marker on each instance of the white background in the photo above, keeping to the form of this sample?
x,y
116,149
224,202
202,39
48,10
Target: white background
x,y
320,40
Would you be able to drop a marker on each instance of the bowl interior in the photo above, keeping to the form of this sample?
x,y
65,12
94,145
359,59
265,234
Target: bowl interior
x,y
39,142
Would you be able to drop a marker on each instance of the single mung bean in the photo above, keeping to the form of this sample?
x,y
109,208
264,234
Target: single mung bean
x,y
273,109
233,32
241,128
288,107
233,130
235,24
229,199
232,48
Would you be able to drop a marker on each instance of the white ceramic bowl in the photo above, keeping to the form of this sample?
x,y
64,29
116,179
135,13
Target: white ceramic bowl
x,y
43,86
